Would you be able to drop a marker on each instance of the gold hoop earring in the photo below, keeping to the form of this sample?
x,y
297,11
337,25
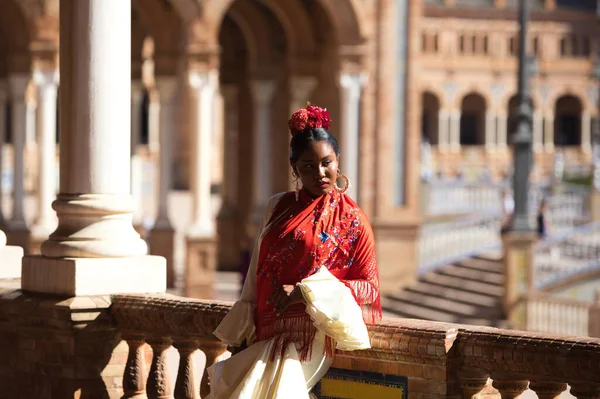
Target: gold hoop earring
x,y
296,185
339,189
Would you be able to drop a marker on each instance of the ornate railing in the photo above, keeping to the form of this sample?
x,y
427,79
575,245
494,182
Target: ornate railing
x,y
443,198
438,359
573,253
441,244
558,316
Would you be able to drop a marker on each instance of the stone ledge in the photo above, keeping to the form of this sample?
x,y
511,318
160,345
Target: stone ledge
x,y
94,276
10,261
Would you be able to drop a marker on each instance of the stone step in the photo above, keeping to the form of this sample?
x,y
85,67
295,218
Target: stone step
x,y
472,275
440,291
409,311
476,287
485,265
449,306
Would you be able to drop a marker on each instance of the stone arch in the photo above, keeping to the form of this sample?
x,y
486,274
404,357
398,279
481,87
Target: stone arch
x,y
346,15
430,116
436,91
472,120
581,96
297,24
568,121
162,23
15,37
462,92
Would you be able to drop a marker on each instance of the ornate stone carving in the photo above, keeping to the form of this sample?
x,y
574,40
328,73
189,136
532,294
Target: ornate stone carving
x,y
134,379
186,386
510,389
159,384
547,389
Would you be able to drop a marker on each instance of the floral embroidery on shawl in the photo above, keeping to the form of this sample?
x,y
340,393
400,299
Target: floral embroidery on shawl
x,y
303,236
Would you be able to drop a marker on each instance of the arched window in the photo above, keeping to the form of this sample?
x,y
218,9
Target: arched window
x,y
567,121
429,118
472,120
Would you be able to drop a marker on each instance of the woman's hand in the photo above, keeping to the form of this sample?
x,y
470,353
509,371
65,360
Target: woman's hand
x,y
285,296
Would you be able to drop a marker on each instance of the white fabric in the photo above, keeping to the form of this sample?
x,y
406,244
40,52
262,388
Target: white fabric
x,y
250,374
334,310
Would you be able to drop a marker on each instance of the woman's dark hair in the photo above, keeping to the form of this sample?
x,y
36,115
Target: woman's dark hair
x,y
301,141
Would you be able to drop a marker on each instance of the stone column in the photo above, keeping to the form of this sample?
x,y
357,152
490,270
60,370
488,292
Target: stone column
x,y
501,138
10,266
586,132
519,252
204,85
153,124
443,132
162,235
18,232
594,316
301,87
229,233
201,238
47,84
351,88
137,165
94,250
262,93
538,131
490,131
455,130
549,132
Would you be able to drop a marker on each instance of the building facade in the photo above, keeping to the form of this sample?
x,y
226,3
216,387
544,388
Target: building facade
x,y
214,82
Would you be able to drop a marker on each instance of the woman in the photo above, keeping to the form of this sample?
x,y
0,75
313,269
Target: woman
x,y
312,279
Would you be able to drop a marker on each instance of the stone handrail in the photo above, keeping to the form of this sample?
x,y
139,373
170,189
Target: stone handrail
x,y
447,242
440,358
558,316
567,255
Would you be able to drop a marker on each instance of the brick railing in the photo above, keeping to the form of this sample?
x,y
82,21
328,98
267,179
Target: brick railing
x,y
439,360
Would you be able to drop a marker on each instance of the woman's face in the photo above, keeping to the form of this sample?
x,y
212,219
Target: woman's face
x,y
317,168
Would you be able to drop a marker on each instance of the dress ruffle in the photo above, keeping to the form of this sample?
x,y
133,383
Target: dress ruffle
x,y
237,325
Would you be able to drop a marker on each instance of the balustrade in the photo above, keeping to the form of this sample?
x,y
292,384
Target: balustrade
x,y
474,360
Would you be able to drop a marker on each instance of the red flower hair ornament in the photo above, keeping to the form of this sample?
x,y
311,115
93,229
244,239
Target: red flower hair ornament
x,y
309,118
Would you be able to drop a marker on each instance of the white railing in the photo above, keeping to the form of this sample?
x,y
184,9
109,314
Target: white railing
x,y
461,198
558,316
443,243
568,254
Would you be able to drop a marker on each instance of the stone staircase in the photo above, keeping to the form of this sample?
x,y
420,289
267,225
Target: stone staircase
x,y
468,292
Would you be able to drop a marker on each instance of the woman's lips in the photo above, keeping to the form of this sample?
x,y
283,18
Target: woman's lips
x,y
322,184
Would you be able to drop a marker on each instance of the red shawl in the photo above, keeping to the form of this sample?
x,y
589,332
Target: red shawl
x,y
302,236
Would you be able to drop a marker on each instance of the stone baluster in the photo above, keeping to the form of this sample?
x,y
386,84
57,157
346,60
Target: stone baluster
x,y
509,388
159,384
472,382
547,389
585,391
186,386
134,378
212,350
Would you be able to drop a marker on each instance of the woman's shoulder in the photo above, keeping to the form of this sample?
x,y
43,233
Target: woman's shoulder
x,y
278,197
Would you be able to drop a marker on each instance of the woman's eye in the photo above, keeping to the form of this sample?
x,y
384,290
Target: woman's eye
x,y
326,163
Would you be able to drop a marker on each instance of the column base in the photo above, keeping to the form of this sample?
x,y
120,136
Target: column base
x,y
94,276
396,242
162,243
10,261
201,262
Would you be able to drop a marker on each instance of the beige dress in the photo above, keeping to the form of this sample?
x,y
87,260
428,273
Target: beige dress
x,y
250,374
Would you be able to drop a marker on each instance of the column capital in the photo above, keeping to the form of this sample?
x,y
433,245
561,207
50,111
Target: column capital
x,y
199,79
46,78
353,80
262,90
